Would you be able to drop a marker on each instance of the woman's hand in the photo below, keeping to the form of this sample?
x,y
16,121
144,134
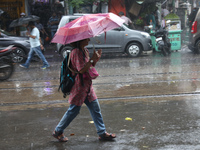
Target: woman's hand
x,y
99,52
96,55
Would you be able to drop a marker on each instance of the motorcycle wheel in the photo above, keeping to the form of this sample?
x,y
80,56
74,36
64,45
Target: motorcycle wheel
x,y
169,48
6,71
169,51
164,51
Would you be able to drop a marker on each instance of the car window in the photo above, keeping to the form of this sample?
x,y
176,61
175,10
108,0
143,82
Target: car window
x,y
5,32
118,29
71,19
64,22
193,15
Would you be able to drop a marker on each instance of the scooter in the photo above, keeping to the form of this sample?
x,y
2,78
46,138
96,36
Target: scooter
x,y
6,63
163,41
160,40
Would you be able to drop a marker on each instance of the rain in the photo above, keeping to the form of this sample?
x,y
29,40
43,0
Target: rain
x,y
151,102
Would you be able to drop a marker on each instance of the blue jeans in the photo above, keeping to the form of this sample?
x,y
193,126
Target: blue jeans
x,y
52,34
73,111
38,51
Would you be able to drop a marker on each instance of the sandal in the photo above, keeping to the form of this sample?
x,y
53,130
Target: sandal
x,y
60,136
107,137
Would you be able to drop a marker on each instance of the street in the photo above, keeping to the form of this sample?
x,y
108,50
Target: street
x,y
151,103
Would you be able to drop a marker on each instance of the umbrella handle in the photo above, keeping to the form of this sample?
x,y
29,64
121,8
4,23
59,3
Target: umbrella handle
x,y
93,46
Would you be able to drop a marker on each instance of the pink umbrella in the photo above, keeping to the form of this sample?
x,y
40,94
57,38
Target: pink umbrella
x,y
87,26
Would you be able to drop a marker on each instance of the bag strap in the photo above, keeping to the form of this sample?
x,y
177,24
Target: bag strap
x,y
76,72
68,64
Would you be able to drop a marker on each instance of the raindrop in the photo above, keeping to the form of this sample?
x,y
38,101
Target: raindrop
x,y
31,146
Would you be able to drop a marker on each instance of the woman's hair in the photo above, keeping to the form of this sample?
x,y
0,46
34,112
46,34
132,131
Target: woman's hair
x,y
77,44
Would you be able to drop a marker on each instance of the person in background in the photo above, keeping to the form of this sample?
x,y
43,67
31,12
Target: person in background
x,y
165,12
53,24
40,27
150,20
157,15
60,14
36,46
23,29
128,22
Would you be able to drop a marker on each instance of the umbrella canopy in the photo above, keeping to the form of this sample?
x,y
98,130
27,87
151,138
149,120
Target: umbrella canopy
x,y
86,26
23,20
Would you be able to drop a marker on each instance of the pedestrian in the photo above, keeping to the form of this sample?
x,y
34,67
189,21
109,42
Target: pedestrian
x,y
128,22
82,92
40,27
23,29
150,20
36,46
53,23
165,12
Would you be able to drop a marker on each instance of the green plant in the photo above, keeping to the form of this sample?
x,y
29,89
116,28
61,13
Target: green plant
x,y
171,16
139,22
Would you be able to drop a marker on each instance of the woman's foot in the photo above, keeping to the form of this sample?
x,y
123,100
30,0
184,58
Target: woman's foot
x,y
60,136
107,137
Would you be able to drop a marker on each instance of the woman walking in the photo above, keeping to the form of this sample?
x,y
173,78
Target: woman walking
x,y
82,92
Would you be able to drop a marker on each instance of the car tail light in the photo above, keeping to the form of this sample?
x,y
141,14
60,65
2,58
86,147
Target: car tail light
x,y
194,27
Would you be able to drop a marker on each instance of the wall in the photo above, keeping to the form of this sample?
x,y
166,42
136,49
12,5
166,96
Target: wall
x,y
13,7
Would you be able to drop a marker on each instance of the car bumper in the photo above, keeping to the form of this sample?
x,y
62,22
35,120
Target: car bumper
x,y
148,46
191,47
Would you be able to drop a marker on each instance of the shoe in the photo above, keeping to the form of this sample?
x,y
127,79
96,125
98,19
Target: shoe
x,y
107,137
45,66
60,136
23,66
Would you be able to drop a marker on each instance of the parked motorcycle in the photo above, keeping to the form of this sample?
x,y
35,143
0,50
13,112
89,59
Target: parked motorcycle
x,y
6,63
160,40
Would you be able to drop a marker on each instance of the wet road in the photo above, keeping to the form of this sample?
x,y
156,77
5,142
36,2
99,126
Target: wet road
x,y
160,95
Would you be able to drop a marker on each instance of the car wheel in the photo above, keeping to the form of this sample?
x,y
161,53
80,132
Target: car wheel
x,y
6,71
134,49
197,47
64,50
18,55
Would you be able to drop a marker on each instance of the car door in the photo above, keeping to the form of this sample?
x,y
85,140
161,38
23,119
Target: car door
x,y
4,40
111,41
